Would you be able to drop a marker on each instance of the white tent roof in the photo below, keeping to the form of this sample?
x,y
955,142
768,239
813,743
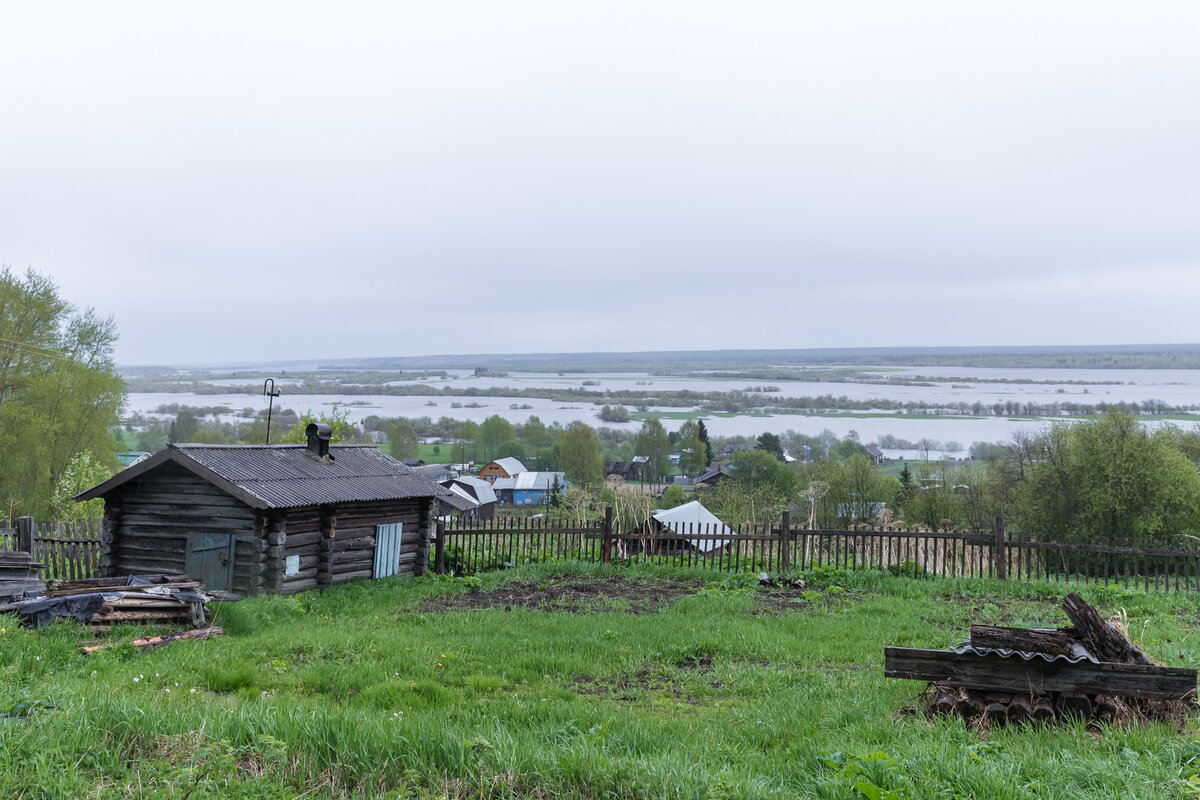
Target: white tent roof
x,y
695,518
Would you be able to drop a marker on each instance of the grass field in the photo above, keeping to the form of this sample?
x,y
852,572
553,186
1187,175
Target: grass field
x,y
570,681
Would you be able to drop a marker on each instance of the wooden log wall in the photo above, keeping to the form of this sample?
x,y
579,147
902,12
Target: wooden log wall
x,y
147,521
335,544
352,550
303,531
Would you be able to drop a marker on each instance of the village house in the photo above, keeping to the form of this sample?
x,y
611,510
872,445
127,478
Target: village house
x,y
469,497
529,488
501,468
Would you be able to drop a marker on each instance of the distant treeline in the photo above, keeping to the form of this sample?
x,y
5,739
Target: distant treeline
x,y
733,401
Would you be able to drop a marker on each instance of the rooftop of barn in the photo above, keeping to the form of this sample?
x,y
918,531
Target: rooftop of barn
x,y
287,476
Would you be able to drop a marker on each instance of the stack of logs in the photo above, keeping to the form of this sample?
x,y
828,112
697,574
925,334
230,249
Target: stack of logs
x,y
1014,675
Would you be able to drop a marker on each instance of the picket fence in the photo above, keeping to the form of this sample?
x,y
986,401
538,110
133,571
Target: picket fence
x,y
466,548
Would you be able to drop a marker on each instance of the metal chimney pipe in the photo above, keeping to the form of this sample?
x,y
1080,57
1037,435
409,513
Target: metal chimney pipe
x,y
318,439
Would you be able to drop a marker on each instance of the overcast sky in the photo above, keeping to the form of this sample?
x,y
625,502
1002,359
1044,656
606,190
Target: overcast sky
x,y
242,181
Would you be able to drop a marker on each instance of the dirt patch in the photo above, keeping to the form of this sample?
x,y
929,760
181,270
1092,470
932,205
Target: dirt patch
x,y
585,595
777,600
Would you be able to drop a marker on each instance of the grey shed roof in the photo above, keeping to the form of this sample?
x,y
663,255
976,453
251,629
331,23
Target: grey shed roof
x,y
286,476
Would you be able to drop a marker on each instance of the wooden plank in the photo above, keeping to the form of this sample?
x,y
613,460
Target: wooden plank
x,y
1016,675
1030,640
1102,640
147,642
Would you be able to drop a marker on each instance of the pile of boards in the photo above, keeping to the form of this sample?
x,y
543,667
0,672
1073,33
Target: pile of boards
x,y
169,600
1012,675
19,575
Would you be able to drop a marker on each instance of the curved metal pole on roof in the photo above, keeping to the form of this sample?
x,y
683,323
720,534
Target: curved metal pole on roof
x,y
270,393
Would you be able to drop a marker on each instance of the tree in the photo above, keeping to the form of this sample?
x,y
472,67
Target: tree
x,y
81,474
614,414
906,485
402,440
702,433
673,497
769,443
341,429
59,391
494,434
760,489
1108,480
533,433
692,453
579,455
652,442
183,428
468,436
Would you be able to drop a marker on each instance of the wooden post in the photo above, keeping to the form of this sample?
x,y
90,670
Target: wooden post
x,y
1000,552
439,545
785,552
25,529
606,556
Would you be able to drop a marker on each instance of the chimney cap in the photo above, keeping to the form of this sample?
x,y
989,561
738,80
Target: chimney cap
x,y
318,440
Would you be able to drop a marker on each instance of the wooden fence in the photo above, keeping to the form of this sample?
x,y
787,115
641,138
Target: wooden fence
x,y
500,544
66,549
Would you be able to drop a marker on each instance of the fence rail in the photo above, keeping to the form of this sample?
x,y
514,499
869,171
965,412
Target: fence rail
x,y
499,544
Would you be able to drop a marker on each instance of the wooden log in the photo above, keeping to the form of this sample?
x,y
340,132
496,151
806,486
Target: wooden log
x,y
295,540
1043,709
946,703
1105,710
346,545
1027,640
291,587
1020,709
996,673
342,577
1103,640
182,613
997,712
1074,704
148,642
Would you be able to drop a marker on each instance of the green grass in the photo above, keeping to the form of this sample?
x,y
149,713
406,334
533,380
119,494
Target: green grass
x,y
358,691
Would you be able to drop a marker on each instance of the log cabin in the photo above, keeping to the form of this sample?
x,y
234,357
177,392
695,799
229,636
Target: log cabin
x,y
254,519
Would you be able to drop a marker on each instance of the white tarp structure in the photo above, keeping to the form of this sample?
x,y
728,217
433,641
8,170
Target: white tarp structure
x,y
695,519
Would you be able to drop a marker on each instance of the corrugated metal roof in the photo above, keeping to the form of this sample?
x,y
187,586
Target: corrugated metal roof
x,y
286,476
484,491
1078,653
510,465
458,498
531,481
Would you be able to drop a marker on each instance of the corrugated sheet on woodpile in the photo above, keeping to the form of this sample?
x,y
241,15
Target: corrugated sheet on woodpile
x,y
287,477
1078,654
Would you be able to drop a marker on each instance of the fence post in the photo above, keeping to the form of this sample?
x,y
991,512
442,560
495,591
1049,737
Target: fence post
x,y
1000,552
439,548
606,555
25,529
785,552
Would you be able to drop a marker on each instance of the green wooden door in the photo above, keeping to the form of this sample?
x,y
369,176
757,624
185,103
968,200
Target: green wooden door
x,y
210,559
